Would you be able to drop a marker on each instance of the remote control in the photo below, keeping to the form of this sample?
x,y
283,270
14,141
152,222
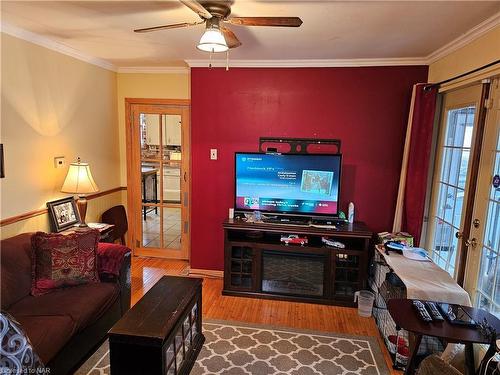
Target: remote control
x,y
436,315
422,311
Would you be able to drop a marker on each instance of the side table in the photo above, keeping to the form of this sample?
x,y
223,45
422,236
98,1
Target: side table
x,y
405,316
104,232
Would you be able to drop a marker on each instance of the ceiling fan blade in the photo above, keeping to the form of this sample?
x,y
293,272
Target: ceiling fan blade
x,y
266,21
231,40
164,27
196,7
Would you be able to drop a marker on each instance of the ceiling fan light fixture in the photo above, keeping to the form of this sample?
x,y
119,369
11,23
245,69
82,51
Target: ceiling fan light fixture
x,y
212,40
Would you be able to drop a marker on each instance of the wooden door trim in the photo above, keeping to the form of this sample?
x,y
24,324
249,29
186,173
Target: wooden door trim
x,y
152,101
471,193
185,105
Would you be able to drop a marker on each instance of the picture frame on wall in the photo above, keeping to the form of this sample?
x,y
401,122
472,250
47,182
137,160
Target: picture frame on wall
x,y
63,213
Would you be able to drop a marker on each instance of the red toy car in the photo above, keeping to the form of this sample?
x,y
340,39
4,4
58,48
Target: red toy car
x,y
293,239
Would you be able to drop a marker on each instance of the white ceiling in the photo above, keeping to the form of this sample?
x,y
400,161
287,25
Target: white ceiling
x,y
331,29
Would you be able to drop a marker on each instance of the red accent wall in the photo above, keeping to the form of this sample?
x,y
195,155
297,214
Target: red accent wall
x,y
367,108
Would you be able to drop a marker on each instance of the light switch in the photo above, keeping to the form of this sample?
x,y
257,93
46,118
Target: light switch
x,y
59,162
213,154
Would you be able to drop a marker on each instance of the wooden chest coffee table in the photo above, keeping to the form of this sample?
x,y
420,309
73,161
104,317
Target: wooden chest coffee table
x,y
162,333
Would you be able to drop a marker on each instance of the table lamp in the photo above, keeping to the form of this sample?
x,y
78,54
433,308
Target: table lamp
x,y
79,181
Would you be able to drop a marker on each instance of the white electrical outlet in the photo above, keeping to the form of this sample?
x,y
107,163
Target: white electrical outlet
x,y
213,154
59,162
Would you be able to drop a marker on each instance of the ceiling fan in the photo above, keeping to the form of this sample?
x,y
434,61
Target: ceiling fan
x,y
214,14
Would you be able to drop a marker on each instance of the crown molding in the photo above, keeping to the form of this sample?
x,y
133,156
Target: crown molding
x,y
464,39
54,46
155,69
323,63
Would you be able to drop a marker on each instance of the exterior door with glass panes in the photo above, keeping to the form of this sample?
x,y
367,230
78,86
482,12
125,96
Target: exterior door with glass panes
x,y
450,183
483,269
159,170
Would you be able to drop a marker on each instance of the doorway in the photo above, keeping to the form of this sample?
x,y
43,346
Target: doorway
x,y
158,177
483,265
464,221
450,186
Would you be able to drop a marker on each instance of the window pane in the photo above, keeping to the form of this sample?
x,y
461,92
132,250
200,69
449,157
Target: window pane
x,y
464,167
456,156
487,271
445,166
459,202
450,204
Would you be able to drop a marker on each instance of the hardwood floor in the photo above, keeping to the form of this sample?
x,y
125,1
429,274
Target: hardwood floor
x,y
147,271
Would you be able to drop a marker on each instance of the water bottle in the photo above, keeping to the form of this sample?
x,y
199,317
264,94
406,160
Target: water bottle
x,y
350,213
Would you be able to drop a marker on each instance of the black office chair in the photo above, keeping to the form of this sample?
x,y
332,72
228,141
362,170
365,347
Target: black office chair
x,y
118,216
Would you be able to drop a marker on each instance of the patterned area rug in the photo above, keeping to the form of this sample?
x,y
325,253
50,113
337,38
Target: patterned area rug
x,y
240,348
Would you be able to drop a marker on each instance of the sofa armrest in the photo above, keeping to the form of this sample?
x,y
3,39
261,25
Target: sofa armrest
x,y
113,265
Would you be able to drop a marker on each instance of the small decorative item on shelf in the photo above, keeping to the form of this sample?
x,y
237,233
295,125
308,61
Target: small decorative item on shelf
x,y
350,213
63,214
401,237
293,239
332,243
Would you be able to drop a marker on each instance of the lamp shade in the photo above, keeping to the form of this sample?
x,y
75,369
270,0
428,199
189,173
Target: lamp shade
x,y
212,41
79,179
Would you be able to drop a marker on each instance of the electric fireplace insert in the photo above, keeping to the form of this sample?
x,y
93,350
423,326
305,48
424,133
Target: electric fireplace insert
x,y
293,273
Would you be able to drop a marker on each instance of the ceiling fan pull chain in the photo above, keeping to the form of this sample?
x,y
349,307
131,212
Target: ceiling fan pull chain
x,y
210,62
227,60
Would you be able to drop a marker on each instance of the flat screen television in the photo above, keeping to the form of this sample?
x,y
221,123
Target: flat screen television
x,y
291,184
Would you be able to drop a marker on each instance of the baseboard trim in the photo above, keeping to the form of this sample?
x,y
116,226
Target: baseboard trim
x,y
42,211
208,273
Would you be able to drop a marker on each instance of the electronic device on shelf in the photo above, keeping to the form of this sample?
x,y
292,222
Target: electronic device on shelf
x,y
285,220
422,311
456,314
433,310
293,186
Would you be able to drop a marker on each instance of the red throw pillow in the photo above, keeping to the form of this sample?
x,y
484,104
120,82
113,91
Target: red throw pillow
x,y
63,260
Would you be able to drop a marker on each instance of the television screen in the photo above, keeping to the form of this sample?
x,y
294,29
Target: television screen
x,y
303,184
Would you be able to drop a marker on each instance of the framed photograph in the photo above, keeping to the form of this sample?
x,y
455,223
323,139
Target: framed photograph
x,y
63,213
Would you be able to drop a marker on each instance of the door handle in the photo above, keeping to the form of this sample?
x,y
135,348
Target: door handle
x,y
459,235
476,223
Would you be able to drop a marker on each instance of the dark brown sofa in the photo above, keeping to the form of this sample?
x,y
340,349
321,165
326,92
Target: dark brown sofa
x,y
66,325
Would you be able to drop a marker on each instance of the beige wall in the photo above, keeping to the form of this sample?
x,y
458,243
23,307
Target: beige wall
x,y
145,85
53,105
479,52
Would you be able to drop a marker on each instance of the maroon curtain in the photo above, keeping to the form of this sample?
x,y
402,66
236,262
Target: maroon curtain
x,y
418,160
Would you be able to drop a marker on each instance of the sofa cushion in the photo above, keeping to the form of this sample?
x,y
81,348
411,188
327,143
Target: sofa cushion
x,y
84,303
48,334
63,260
15,268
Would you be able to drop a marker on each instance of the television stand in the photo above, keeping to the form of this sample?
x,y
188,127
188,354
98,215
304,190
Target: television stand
x,y
257,264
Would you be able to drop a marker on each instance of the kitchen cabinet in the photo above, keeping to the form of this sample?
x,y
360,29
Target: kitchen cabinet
x,y
172,130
